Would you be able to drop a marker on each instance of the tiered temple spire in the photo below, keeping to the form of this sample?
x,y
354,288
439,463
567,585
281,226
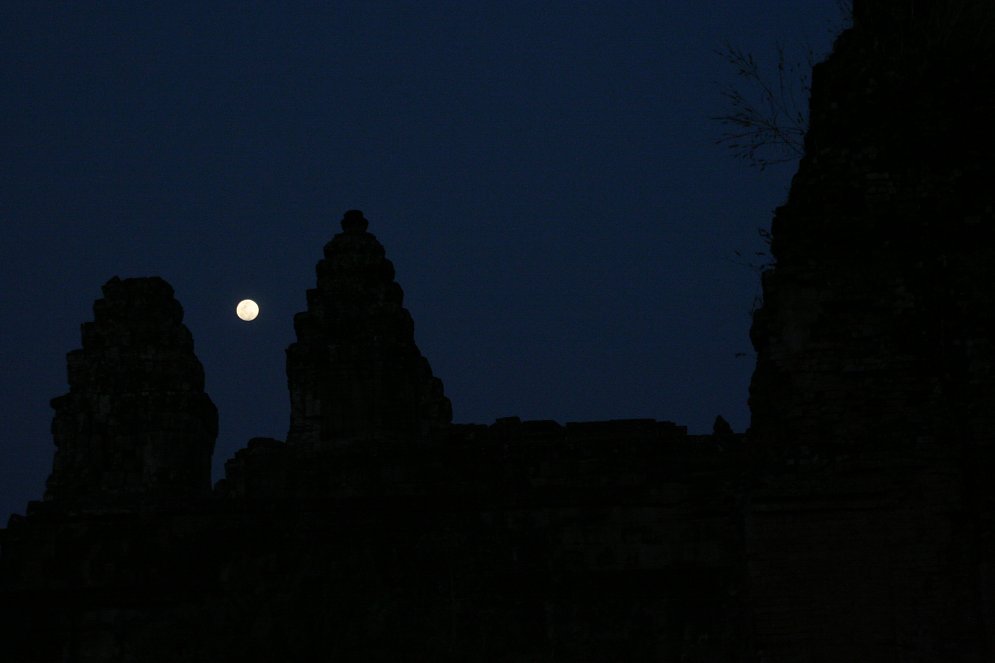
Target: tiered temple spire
x,y
355,371
136,420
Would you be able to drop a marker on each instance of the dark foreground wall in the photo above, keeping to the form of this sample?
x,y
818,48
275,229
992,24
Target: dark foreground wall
x,y
515,542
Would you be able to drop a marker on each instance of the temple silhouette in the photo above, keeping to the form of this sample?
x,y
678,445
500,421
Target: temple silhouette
x,y
854,521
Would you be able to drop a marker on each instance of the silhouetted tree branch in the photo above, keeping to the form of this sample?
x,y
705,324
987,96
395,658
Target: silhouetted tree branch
x,y
767,127
768,121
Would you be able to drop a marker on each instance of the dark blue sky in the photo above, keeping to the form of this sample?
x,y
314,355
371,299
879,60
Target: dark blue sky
x,y
543,175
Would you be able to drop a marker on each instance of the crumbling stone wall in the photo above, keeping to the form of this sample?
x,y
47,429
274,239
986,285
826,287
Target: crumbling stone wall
x,y
136,420
593,541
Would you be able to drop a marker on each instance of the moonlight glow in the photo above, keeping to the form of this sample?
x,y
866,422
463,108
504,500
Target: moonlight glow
x,y
247,310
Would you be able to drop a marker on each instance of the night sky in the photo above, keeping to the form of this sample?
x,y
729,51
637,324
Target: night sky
x,y
544,176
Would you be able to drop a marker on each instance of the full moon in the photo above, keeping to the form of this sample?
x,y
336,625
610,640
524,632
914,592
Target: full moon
x,y
247,310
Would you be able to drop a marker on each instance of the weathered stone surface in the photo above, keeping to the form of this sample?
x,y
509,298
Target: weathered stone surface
x,y
136,420
355,372
874,394
877,321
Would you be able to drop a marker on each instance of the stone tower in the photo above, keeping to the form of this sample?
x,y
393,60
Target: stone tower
x,y
355,372
136,420
871,530
877,323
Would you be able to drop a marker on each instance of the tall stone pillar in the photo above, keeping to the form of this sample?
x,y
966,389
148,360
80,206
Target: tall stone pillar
x,y
355,372
136,420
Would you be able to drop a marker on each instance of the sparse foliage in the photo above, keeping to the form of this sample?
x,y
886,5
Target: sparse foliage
x,y
768,126
768,120
767,123
760,261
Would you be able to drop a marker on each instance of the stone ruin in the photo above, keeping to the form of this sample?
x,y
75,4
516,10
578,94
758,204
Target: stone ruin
x,y
854,521
355,372
136,420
